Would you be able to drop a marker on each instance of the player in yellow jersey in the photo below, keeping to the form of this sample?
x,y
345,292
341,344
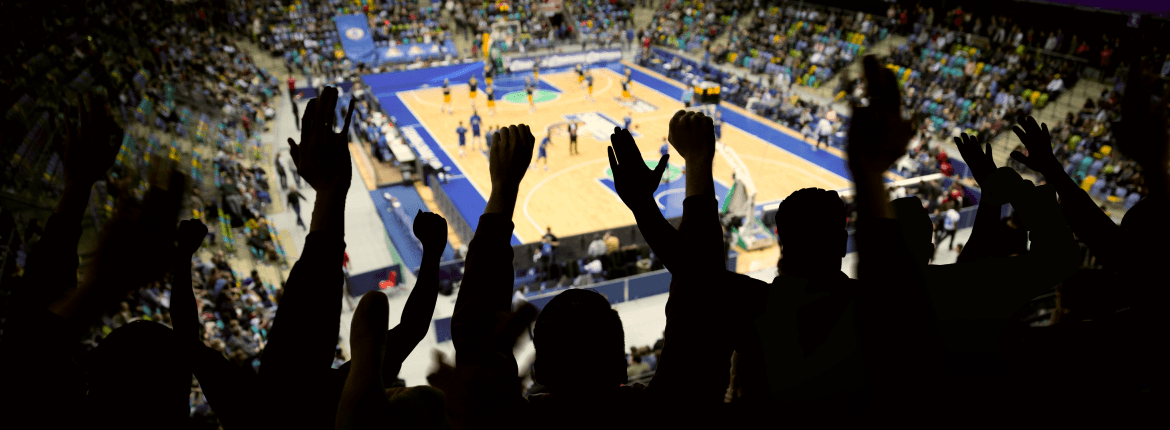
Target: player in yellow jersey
x,y
580,74
447,97
626,89
472,83
491,99
536,69
487,76
589,82
529,88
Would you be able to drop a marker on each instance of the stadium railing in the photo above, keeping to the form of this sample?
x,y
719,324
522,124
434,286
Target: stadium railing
x,y
616,291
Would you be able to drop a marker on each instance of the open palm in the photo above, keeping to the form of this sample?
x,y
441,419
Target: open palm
x,y
634,181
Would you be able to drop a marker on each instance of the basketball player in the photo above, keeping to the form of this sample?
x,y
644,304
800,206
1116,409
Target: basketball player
x,y
573,138
536,69
528,87
580,74
665,149
475,121
718,122
589,82
629,120
491,99
472,83
488,138
487,76
626,89
447,97
542,152
462,131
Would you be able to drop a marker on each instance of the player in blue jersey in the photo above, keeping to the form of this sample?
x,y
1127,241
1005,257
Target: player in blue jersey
x,y
542,152
718,122
488,138
462,138
475,121
629,120
664,150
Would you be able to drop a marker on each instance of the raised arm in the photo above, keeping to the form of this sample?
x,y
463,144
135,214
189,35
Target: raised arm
x,y
300,350
1087,220
92,141
994,287
483,392
893,319
635,184
982,240
228,388
431,230
487,277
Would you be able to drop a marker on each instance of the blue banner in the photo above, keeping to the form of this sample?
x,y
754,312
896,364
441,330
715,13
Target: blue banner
x,y
355,37
409,52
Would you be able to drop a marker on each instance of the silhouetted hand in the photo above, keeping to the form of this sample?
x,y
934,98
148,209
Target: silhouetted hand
x,y
430,229
184,311
511,153
692,134
634,181
981,163
322,158
135,248
878,135
92,144
1003,185
1039,143
191,235
363,401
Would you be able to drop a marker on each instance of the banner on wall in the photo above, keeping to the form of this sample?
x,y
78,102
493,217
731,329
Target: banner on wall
x,y
565,60
356,39
549,7
409,52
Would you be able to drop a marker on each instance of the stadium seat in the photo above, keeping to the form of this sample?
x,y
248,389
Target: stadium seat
x,y
1131,200
1096,189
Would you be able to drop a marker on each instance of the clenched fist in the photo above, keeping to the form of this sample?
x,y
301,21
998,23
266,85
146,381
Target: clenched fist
x,y
510,155
692,134
431,230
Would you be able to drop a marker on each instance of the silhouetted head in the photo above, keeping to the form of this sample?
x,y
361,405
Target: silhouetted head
x,y
917,229
811,226
580,344
1144,230
126,385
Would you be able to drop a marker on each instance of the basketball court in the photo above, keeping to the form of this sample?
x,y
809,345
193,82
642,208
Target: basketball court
x,y
576,195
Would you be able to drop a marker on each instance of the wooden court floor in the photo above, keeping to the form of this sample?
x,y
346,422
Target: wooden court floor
x,y
569,197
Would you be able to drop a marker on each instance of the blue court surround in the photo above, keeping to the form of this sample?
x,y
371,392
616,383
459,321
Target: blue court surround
x,y
756,128
467,199
403,236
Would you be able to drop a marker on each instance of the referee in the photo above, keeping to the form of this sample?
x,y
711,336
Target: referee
x,y
573,138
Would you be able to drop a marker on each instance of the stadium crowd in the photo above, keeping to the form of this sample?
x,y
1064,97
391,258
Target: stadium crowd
x,y
915,333
945,339
807,45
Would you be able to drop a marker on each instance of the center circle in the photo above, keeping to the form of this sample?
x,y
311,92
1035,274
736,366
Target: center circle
x,y
538,96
